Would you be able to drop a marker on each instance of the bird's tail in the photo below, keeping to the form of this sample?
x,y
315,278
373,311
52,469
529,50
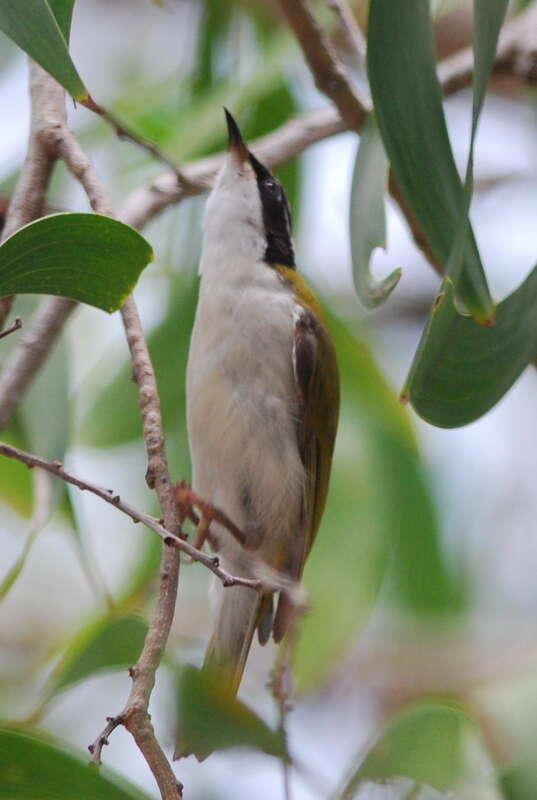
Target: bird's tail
x,y
241,610
234,628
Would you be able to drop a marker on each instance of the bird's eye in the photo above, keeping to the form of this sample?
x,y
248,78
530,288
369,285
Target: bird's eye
x,y
271,185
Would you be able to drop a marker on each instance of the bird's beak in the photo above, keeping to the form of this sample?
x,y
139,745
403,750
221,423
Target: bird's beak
x,y
236,145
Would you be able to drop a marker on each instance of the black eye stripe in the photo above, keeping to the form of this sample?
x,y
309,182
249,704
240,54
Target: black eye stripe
x,y
276,217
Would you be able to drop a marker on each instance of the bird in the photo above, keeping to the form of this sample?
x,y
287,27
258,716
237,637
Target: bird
x,y
262,393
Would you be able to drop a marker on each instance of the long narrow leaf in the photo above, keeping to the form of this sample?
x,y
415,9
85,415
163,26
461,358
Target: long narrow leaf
x,y
63,11
105,644
462,369
408,106
488,18
33,26
368,216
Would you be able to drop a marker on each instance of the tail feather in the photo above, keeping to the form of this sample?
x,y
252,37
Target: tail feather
x,y
234,627
266,617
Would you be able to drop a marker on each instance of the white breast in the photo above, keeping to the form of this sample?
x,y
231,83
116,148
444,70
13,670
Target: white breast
x,y
241,397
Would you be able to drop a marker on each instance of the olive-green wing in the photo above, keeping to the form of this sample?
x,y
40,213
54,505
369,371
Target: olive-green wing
x,y
317,380
317,384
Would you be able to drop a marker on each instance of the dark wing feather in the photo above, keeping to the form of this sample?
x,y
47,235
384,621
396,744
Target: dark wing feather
x,y
317,384
317,380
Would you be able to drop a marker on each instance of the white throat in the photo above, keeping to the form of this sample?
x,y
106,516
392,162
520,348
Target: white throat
x,y
233,221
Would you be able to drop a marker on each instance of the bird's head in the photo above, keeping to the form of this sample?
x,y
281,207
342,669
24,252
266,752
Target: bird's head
x,y
248,207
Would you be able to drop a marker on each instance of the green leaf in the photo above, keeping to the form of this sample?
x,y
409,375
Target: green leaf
x,y
140,583
408,106
518,781
212,719
46,433
462,369
206,129
423,743
346,565
421,580
368,216
63,11
43,497
88,257
347,562
109,643
15,477
32,767
43,36
379,514
43,433
488,18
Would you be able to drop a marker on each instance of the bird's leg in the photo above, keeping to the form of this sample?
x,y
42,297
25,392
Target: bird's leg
x,y
187,501
201,532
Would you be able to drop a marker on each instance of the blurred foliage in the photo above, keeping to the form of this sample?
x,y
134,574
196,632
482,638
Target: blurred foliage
x,y
15,478
379,511
32,767
380,547
395,789
423,743
212,719
109,642
115,417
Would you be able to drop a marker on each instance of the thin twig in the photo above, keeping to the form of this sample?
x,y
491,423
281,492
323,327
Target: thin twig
x,y
112,498
330,75
123,132
356,40
17,325
280,686
102,739
135,715
516,54
517,47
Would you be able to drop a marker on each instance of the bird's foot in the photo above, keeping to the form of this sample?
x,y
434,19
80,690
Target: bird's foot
x,y
202,513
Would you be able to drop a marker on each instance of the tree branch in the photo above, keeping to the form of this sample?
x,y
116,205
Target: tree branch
x,y
58,140
17,325
279,146
112,498
28,199
330,75
135,715
516,53
354,35
123,132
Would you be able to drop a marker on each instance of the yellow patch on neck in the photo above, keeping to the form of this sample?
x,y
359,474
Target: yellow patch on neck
x,y
303,292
